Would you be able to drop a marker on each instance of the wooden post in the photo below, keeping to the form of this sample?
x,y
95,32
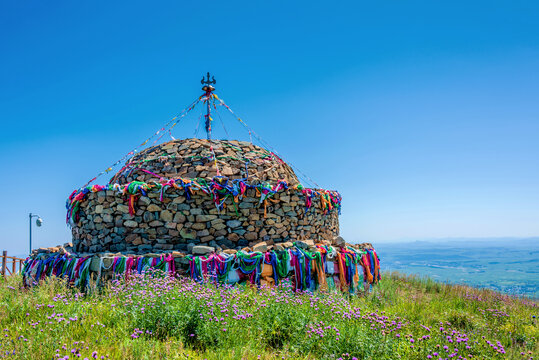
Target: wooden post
x,y
14,266
4,262
20,266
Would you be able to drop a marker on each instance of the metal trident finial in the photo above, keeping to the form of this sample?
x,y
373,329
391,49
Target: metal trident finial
x,y
208,81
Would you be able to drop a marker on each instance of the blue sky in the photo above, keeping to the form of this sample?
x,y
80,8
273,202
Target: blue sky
x,y
424,115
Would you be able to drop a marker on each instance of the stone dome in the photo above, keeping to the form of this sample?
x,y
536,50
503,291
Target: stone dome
x,y
218,194
201,158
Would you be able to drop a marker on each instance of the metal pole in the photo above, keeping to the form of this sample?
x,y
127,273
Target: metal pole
x,y
30,227
208,111
208,88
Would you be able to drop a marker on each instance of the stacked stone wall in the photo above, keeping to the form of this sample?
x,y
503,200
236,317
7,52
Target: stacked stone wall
x,y
177,223
197,158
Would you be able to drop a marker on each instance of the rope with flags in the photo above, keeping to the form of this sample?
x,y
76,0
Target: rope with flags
x,y
172,123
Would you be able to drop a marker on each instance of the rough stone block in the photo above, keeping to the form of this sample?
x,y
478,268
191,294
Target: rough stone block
x,y
202,250
153,207
123,208
188,234
130,224
233,223
166,215
205,218
261,247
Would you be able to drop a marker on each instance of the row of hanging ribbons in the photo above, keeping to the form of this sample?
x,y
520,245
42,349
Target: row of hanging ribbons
x,y
166,128
77,270
219,188
324,269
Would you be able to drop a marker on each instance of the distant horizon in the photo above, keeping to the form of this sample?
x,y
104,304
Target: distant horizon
x,y
425,240
462,238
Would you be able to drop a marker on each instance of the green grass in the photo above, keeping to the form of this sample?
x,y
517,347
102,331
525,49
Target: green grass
x,y
162,318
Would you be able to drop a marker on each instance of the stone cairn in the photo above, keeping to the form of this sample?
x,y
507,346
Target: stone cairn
x,y
195,197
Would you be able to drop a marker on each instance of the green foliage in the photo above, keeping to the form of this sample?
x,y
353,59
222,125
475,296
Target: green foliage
x,y
280,324
154,317
178,319
460,320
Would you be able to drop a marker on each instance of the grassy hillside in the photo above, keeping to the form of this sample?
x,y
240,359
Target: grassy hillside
x,y
155,318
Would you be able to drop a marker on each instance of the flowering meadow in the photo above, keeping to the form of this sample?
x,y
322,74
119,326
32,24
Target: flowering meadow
x,y
157,317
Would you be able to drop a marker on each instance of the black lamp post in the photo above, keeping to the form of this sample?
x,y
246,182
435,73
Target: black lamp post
x,y
39,222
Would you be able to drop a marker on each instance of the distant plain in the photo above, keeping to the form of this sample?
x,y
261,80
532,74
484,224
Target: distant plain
x,y
509,265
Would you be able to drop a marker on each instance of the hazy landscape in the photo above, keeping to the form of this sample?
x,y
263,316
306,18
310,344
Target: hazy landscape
x,y
509,265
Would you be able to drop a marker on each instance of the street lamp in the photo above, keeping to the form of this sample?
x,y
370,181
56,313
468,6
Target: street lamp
x,y
39,222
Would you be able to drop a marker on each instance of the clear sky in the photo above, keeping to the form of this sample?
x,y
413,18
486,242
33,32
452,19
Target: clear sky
x,y
423,114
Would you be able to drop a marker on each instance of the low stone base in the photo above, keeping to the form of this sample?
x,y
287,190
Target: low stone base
x,y
321,259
